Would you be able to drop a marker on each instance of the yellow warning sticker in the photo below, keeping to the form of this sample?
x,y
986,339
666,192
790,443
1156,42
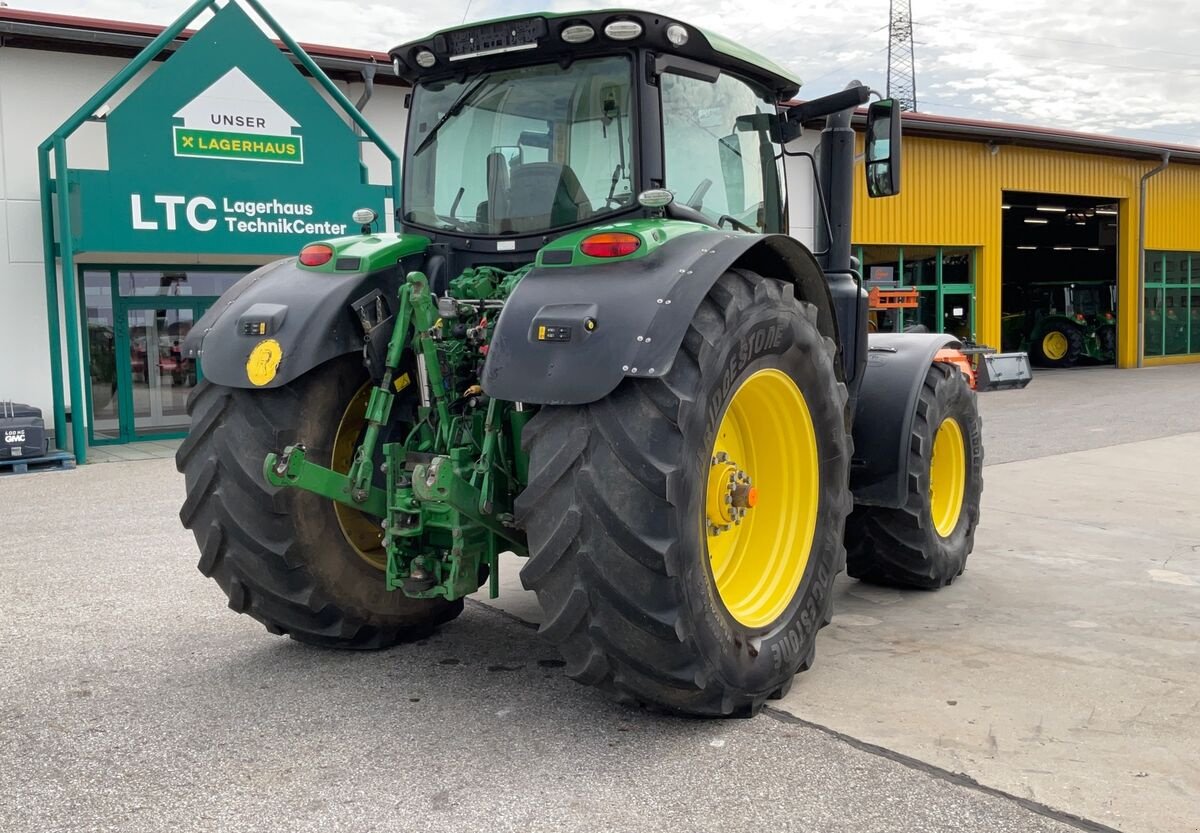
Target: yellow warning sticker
x,y
402,381
263,362
542,333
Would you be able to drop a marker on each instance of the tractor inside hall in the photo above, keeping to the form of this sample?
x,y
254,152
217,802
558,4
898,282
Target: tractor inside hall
x,y
592,343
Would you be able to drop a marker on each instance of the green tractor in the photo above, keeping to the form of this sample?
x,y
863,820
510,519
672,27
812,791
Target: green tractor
x,y
592,344
1069,321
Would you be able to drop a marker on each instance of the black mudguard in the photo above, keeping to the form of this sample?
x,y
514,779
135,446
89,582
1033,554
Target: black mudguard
x,y
307,313
606,322
897,364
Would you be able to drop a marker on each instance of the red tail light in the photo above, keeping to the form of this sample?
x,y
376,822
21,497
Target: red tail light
x,y
610,244
316,254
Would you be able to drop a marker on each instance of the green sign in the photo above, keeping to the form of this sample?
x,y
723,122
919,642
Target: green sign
x,y
225,149
220,145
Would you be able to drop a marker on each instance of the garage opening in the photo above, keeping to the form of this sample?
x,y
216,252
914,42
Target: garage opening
x,y
1059,278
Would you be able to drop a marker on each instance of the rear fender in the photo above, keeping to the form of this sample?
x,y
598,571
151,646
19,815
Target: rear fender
x,y
306,313
897,364
569,335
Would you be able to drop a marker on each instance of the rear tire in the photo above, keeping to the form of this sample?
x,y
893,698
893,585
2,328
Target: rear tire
x,y
903,547
280,554
615,512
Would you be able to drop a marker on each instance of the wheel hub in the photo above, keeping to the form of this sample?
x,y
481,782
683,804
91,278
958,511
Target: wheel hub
x,y
731,494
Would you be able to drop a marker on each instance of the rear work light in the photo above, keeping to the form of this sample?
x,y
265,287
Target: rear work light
x,y
610,244
316,254
623,29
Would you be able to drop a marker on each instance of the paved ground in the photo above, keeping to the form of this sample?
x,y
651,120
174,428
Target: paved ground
x,y
1063,672
1081,408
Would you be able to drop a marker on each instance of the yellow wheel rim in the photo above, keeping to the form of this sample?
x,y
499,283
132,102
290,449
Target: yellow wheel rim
x,y
1055,345
761,498
362,532
947,477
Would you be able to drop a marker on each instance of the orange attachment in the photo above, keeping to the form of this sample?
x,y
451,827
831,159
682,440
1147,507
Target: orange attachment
x,y
949,355
752,497
881,298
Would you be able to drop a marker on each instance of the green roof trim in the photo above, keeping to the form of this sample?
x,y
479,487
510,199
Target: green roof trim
x,y
733,49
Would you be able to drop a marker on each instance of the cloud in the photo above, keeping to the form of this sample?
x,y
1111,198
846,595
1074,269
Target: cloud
x,y
1125,67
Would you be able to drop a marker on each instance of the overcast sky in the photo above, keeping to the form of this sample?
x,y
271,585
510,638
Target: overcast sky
x,y
1128,67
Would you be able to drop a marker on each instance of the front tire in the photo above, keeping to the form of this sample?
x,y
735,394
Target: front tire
x,y
284,556
642,597
925,543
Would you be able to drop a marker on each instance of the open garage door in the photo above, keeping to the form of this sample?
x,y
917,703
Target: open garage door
x,y
1059,278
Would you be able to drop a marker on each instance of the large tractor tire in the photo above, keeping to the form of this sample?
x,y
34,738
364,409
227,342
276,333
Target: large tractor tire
x,y
1057,344
1106,339
300,564
925,543
684,532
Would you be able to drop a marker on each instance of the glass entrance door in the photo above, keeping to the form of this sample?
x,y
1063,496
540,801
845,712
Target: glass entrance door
x,y
137,321
161,377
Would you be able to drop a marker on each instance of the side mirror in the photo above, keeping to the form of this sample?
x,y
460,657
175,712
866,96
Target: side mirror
x,y
883,148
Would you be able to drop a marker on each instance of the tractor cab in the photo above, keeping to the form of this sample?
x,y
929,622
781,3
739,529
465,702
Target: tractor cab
x,y
524,129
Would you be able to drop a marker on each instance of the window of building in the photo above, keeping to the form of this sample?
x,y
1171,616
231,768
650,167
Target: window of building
x,y
1172,303
943,276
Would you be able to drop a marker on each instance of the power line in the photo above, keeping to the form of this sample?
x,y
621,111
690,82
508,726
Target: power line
x,y
1068,59
828,49
843,65
1023,36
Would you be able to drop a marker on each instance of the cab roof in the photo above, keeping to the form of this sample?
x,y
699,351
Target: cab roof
x,y
509,40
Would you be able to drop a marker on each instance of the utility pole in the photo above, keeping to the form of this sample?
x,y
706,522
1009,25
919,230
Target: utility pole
x,y
902,70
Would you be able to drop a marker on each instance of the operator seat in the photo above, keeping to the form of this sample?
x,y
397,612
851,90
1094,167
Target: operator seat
x,y
544,195
495,207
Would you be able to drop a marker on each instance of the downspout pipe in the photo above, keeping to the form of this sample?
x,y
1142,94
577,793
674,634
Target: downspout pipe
x,y
368,77
1141,290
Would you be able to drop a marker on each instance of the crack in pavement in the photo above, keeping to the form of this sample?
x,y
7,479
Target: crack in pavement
x,y
957,778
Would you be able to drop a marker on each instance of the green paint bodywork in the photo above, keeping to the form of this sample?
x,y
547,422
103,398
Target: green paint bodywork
x,y
292,468
376,251
652,232
730,49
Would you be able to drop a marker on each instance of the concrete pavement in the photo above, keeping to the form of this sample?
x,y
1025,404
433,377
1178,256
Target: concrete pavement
x,y
1061,673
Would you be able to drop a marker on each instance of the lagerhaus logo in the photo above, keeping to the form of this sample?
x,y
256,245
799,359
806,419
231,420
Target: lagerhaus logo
x,y
235,119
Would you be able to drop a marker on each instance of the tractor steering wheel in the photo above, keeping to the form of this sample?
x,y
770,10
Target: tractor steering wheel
x,y
734,222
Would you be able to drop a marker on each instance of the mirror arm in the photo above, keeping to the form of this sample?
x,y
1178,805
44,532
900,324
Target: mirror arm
x,y
796,115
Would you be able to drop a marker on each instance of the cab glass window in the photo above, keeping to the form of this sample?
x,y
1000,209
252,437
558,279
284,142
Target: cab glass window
x,y
718,152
